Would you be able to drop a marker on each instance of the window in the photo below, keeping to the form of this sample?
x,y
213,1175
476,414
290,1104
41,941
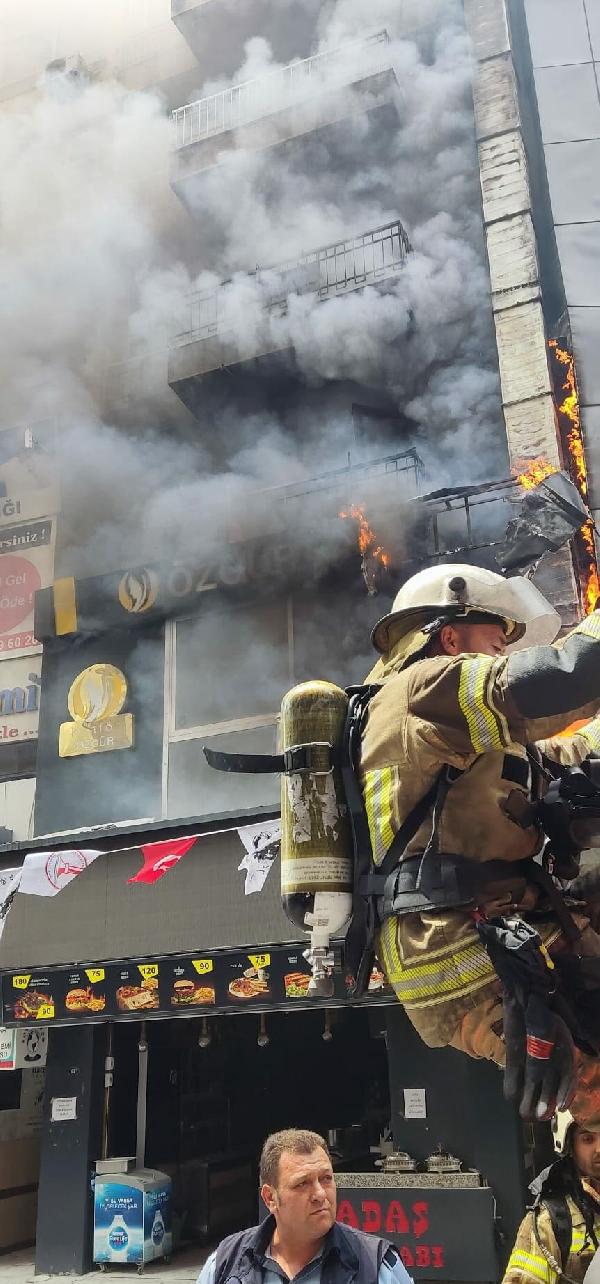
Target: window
x,y
229,669
227,672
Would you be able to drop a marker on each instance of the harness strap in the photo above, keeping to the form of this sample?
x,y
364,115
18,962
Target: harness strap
x,y
318,757
537,874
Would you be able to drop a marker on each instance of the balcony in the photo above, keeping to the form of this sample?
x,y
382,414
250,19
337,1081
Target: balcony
x,y
217,30
221,335
285,104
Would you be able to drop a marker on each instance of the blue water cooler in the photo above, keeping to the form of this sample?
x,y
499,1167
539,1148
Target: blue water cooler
x,y
132,1214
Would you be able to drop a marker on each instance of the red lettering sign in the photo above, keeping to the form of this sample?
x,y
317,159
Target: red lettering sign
x,y
392,1219
372,1219
420,1224
396,1220
346,1214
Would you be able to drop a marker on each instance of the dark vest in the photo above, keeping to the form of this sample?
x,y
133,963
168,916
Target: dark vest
x,y
348,1255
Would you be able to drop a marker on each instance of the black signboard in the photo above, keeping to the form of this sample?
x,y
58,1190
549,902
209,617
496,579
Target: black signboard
x,y
429,1227
225,981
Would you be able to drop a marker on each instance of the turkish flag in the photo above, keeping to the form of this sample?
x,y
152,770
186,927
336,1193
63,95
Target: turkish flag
x,y
159,858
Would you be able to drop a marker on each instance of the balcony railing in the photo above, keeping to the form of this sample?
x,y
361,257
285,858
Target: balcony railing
x,y
243,103
333,270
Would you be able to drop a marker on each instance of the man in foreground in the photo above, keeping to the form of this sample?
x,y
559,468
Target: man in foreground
x,y
301,1238
561,1233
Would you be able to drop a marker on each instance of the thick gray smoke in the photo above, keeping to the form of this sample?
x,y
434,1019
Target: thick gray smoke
x,y
98,257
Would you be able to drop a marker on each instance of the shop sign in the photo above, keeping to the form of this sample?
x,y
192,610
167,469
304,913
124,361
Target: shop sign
x,y
128,598
206,982
428,1227
26,565
23,1049
42,502
19,699
95,700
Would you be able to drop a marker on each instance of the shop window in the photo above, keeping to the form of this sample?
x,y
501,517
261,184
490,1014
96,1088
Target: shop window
x,y
10,1089
18,760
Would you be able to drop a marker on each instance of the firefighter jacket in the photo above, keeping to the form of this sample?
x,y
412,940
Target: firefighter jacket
x,y
536,1256
478,714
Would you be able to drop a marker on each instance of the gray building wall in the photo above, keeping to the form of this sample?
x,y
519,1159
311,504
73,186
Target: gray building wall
x,y
565,51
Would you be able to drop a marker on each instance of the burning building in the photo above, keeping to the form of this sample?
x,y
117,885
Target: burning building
x,y
285,322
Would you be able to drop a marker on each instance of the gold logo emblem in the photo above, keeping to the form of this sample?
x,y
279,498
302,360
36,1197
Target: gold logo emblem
x,y
138,590
95,700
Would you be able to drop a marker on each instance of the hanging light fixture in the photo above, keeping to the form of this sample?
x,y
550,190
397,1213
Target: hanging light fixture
x,y
327,1034
205,1036
263,1039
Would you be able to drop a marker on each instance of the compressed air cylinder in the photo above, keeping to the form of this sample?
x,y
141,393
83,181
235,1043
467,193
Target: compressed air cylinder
x,y
316,843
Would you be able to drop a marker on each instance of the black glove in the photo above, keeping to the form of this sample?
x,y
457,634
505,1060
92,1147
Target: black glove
x,y
540,1056
540,1074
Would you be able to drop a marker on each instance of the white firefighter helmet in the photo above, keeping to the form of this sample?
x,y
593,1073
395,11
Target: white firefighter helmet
x,y
454,590
561,1122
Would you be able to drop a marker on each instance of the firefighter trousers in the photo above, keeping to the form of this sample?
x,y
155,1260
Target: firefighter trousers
x,y
449,990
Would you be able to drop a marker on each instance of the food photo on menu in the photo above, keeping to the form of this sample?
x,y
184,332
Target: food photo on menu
x,y
253,983
85,991
187,993
34,1004
139,993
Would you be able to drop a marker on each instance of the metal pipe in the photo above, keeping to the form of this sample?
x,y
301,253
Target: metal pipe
x,y
142,1098
108,1083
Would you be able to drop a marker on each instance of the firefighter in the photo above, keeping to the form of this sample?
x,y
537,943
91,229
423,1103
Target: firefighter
x,y
560,1234
455,707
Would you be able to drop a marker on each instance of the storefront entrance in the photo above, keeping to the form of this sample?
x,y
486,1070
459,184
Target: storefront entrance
x,y
218,1086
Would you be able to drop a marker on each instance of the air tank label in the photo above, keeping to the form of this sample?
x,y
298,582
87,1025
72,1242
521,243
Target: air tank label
x,y
316,812
311,874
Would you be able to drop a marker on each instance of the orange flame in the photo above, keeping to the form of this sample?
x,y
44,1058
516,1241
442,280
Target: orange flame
x,y
367,539
532,472
569,407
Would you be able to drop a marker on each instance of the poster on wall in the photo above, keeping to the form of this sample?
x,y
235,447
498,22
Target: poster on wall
x,y
20,680
26,565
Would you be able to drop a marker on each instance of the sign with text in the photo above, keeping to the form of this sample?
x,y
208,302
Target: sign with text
x,y
26,565
19,698
428,1227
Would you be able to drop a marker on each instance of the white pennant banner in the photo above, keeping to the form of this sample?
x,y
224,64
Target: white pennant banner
x,y
263,845
46,873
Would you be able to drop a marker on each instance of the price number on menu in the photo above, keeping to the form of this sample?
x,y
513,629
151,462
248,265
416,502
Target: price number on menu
x,y
45,1012
21,982
95,974
260,960
148,970
202,966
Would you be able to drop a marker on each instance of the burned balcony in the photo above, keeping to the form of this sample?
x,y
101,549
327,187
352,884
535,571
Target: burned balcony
x,y
285,104
243,320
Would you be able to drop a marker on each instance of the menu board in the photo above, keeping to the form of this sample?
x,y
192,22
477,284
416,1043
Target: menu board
x,y
192,983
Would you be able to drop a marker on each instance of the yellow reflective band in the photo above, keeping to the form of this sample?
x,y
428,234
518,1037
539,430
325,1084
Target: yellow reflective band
x,y
590,626
379,789
483,722
529,1264
426,984
591,735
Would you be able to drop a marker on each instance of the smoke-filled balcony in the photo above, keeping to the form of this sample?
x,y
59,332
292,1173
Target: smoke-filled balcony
x,y
246,318
288,103
217,30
